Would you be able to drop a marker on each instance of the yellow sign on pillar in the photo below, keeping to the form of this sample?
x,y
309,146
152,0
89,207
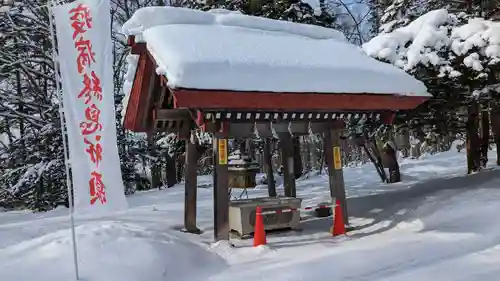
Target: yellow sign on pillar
x,y
337,159
222,151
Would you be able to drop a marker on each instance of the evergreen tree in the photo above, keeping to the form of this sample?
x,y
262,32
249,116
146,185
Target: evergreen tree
x,y
376,8
287,10
34,175
457,67
130,145
298,11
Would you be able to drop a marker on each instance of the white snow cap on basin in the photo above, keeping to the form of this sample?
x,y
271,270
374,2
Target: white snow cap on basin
x,y
231,51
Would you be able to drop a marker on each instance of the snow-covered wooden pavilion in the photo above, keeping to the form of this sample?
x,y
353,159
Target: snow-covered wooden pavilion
x,y
228,74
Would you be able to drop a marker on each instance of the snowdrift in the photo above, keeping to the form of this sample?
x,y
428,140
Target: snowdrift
x,y
108,251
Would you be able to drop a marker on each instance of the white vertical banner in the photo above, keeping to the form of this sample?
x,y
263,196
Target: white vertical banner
x,y
86,64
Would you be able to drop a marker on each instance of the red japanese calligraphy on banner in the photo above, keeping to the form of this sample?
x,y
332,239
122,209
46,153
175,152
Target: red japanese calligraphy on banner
x,y
97,189
91,123
85,55
91,88
81,22
94,150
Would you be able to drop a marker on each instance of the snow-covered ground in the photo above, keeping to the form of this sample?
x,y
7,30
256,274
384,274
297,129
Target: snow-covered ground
x,y
437,225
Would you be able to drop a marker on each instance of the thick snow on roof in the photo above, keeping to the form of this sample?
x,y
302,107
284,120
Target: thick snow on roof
x,y
229,51
128,82
148,17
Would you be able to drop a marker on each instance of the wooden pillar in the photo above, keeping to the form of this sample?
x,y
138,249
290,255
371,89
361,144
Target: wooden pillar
x,y
221,188
287,158
336,176
271,185
190,193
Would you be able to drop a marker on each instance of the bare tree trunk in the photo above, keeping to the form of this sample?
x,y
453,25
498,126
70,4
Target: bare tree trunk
x,y
288,158
155,168
20,109
495,125
250,149
392,163
297,158
404,139
307,153
171,171
348,154
323,161
271,184
179,163
485,136
473,141
373,153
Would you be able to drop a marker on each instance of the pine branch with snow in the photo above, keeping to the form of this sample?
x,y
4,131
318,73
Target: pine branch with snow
x,y
464,52
33,175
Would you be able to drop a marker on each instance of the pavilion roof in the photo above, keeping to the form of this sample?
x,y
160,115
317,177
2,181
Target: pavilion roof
x,y
221,50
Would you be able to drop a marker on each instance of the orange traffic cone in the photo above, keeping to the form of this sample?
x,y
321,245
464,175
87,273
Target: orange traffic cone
x,y
338,220
259,235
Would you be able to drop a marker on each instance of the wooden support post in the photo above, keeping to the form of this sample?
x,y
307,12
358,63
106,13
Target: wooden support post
x,y
287,158
221,188
336,176
271,185
190,189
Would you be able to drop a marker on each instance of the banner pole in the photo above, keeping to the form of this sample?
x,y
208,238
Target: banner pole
x,y
63,134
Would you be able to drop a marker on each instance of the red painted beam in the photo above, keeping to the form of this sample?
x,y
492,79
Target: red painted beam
x,y
206,99
136,109
131,40
138,49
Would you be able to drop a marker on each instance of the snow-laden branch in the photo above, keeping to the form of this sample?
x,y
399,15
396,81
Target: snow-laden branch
x,y
452,44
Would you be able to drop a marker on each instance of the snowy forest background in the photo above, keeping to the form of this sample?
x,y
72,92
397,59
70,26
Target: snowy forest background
x,y
465,110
